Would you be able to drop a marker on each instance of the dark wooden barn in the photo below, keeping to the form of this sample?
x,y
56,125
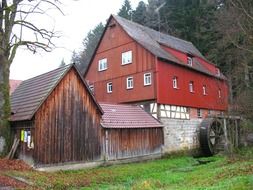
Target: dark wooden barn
x,y
129,132
56,118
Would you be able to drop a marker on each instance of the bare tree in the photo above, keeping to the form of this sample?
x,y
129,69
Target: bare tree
x,y
17,29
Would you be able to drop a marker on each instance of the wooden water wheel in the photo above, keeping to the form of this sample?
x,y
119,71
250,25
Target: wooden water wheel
x,y
211,136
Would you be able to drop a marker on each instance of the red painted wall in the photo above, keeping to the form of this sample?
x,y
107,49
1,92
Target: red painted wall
x,y
182,96
114,43
183,57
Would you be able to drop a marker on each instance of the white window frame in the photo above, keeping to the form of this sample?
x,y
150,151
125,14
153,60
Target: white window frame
x,y
147,79
126,57
204,90
191,86
91,87
189,61
217,70
199,113
219,93
129,83
175,82
109,87
102,64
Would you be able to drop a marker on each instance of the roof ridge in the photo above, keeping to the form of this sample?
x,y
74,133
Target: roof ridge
x,y
51,71
142,26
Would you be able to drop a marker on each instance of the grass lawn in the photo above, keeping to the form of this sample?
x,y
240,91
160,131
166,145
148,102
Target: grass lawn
x,y
185,172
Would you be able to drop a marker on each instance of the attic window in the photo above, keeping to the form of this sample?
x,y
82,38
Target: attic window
x,y
112,25
126,57
217,72
189,61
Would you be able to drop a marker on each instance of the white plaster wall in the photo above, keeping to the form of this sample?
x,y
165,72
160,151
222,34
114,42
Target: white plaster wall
x,y
180,135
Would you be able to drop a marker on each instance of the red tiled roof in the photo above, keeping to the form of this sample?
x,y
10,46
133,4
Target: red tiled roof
x,y
127,116
14,84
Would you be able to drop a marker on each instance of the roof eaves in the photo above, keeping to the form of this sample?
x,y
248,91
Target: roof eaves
x,y
195,69
89,91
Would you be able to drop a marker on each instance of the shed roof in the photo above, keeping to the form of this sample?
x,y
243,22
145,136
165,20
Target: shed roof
x,y
152,40
31,93
127,116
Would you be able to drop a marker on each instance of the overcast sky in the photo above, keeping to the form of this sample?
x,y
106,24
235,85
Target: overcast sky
x,y
80,17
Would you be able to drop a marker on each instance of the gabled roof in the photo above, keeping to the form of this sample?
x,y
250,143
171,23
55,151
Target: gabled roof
x,y
151,39
31,93
127,116
14,84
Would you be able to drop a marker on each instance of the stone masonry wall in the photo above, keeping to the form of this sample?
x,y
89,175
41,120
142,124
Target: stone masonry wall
x,y
180,135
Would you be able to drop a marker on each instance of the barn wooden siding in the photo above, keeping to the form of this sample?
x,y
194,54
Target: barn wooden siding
x,y
67,124
129,142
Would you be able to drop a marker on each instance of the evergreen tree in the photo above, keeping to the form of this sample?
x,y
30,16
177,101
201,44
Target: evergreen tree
x,y
126,10
90,42
139,15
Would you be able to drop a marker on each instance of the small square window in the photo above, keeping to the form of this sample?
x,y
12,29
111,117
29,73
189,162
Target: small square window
x,y
199,113
126,58
130,82
102,64
109,87
91,88
147,79
175,82
189,61
204,90
191,86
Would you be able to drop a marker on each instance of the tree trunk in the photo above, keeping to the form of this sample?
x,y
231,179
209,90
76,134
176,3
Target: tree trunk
x,y
4,105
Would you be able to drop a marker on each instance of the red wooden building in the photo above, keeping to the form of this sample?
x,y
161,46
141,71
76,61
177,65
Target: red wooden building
x,y
166,75
135,64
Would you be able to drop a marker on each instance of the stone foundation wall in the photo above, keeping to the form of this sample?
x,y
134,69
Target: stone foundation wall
x,y
180,135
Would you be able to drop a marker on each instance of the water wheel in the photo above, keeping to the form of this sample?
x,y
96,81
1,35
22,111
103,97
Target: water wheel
x,y
211,136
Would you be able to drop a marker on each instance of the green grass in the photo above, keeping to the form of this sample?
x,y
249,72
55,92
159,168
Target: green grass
x,y
180,173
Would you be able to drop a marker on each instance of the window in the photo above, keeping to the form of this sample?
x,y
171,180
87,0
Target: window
x,y
175,82
191,86
219,93
199,113
217,72
126,57
91,88
204,90
109,87
102,64
189,61
130,82
147,79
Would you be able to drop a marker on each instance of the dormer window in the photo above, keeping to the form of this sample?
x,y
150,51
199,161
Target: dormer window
x,y
189,61
217,72
126,58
